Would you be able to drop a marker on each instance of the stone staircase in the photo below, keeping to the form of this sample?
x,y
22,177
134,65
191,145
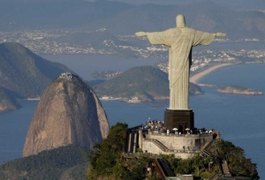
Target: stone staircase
x,y
160,145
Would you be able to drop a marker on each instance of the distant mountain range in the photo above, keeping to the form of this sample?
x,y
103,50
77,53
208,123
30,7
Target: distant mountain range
x,y
123,18
138,84
24,74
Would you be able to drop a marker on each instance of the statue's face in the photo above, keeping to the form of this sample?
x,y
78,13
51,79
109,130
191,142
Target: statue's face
x,y
180,21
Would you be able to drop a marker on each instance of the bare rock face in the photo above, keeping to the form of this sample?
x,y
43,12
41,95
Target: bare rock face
x,y
69,112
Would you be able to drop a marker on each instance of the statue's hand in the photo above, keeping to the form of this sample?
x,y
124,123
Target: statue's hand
x,y
140,34
220,34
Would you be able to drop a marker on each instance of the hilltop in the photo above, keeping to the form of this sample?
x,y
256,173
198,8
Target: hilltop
x,y
108,161
138,84
68,113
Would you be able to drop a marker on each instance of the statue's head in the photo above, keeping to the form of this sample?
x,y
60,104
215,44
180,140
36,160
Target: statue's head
x,y
180,21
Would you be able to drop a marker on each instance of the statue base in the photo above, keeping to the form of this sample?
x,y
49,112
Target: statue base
x,y
181,119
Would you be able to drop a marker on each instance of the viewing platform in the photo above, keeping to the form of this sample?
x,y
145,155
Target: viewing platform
x,y
154,138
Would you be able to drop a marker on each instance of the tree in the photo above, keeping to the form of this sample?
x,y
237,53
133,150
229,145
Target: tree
x,y
104,157
238,164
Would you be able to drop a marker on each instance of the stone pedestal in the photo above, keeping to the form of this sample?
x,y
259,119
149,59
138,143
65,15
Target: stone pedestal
x,y
180,119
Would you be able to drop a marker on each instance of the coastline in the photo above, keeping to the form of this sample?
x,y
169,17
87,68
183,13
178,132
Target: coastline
x,y
196,77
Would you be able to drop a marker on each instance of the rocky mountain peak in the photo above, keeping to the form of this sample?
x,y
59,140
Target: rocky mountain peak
x,y
69,112
68,76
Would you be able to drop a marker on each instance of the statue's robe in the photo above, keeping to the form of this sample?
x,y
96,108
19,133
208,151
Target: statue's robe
x,y
180,42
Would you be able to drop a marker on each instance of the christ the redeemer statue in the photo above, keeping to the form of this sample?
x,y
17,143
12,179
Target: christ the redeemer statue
x,y
179,41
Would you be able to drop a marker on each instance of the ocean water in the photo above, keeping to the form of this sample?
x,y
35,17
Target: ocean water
x,y
86,65
240,119
13,130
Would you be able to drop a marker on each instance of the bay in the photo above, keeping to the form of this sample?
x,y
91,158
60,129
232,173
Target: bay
x,y
240,119
13,130
86,65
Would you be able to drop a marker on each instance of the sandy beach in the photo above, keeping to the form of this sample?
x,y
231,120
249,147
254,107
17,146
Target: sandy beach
x,y
196,77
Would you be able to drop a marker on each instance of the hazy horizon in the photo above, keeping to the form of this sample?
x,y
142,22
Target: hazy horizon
x,y
238,4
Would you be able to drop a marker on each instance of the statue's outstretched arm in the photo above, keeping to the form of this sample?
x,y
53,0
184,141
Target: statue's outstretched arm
x,y
219,35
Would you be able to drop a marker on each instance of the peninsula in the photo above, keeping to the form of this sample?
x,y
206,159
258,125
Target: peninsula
x,y
240,91
196,77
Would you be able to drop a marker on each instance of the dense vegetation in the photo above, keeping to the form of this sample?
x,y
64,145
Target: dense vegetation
x,y
65,163
147,83
109,161
238,164
208,167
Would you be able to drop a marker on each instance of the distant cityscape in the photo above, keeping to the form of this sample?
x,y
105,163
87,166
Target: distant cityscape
x,y
58,42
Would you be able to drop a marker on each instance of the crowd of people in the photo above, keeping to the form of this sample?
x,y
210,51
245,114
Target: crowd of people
x,y
159,127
